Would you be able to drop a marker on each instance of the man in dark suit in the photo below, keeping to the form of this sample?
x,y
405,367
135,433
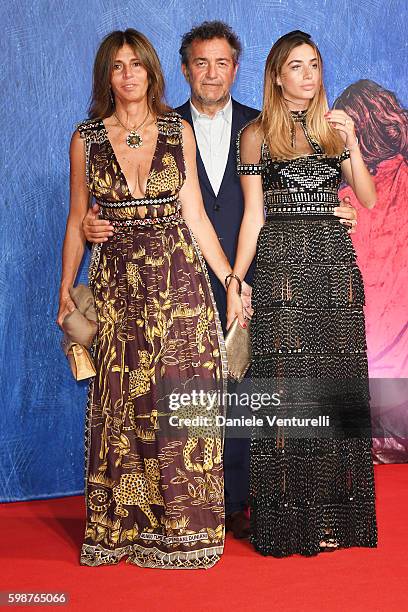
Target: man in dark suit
x,y
209,57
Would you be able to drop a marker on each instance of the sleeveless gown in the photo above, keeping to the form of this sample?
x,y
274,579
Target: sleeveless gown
x,y
308,341
154,492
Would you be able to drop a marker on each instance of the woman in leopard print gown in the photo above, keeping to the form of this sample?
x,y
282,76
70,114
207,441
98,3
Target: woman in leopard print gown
x,y
154,492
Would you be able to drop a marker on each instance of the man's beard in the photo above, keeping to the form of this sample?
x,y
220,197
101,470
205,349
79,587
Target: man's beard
x,y
211,101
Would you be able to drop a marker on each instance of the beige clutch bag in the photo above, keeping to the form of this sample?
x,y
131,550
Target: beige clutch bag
x,y
238,346
79,359
80,327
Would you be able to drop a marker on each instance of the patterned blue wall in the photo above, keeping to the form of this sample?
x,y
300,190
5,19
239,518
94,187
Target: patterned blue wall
x,y
47,51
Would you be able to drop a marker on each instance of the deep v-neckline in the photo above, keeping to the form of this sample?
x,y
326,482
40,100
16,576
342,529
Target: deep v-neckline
x,y
120,167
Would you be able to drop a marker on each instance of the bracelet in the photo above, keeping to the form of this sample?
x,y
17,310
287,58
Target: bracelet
x,y
356,143
236,278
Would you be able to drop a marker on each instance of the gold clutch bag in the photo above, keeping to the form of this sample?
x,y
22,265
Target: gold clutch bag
x,y
79,359
80,328
238,346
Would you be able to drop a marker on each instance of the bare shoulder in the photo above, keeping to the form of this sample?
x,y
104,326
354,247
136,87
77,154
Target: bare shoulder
x,y
187,129
251,135
249,146
76,138
77,149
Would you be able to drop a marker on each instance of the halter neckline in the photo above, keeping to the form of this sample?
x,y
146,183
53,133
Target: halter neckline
x,y
298,115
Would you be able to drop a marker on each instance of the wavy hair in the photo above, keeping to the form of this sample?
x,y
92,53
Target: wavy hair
x,y
275,120
101,104
381,122
208,30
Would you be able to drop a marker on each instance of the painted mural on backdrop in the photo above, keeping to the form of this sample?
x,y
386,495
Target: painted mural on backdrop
x,y
46,79
381,244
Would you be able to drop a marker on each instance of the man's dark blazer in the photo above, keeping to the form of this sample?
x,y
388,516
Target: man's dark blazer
x,y
225,210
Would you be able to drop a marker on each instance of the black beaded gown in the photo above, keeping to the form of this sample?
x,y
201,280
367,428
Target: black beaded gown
x,y
308,339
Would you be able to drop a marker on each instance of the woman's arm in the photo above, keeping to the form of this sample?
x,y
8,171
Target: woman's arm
x,y
194,213
358,177
354,169
74,241
252,222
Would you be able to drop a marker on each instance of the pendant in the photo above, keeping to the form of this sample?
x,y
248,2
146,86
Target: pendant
x,y
134,140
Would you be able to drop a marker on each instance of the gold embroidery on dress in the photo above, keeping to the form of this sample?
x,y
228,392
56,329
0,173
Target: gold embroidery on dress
x,y
139,379
211,434
136,489
157,320
133,276
167,179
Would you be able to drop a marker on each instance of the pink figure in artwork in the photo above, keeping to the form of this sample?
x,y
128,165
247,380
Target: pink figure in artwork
x,y
381,241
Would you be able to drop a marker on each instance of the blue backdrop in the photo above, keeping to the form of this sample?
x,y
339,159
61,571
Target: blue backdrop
x,y
47,50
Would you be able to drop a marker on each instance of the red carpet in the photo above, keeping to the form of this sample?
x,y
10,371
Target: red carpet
x,y
40,543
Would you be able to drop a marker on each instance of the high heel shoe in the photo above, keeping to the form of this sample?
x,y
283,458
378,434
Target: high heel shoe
x,y
328,544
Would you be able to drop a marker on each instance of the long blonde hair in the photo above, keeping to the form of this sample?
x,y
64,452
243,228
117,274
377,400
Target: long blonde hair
x,y
275,120
101,105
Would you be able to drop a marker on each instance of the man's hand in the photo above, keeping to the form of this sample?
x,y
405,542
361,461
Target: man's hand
x,y
95,229
246,295
347,214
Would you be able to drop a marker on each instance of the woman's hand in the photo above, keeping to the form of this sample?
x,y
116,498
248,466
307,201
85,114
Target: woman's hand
x,y
354,169
347,214
66,305
246,296
234,305
344,124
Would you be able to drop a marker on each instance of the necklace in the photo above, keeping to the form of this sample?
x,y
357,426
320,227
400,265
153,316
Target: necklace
x,y
134,139
298,115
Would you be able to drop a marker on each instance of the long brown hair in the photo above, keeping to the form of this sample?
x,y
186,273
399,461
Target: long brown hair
x,y
381,121
101,105
275,119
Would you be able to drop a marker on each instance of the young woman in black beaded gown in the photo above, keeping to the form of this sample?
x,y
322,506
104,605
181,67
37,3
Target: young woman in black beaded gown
x,y
310,491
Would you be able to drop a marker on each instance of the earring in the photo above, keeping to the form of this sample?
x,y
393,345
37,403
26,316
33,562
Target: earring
x,y
112,99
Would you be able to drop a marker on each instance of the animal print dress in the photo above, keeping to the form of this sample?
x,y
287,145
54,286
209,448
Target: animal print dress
x,y
153,482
